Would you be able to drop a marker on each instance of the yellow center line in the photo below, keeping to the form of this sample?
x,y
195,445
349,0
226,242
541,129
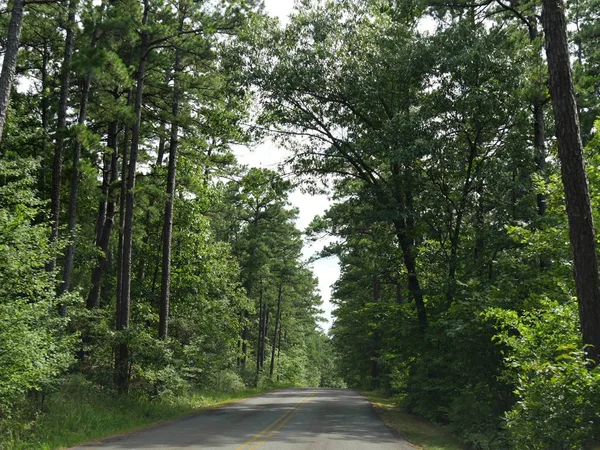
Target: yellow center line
x,y
274,427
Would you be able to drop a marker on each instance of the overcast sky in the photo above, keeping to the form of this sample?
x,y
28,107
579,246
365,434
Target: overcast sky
x,y
269,156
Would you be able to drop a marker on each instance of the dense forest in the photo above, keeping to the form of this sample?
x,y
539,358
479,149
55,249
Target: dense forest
x,y
457,142
134,250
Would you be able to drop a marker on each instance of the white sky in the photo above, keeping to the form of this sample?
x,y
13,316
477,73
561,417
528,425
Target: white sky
x,y
279,8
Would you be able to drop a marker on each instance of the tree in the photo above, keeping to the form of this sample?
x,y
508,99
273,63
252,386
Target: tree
x,y
61,127
570,151
10,58
351,132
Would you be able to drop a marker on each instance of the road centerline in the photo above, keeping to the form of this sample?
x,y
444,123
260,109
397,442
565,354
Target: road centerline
x,y
273,427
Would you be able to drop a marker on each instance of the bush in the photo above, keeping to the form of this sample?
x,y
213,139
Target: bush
x,y
34,345
228,381
453,377
558,395
559,406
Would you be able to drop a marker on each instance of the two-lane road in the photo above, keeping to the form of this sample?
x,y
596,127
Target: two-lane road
x,y
316,419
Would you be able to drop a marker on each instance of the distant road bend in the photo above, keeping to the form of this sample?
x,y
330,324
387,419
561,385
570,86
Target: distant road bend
x,y
316,419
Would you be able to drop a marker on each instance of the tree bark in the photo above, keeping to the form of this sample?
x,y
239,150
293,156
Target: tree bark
x,y
260,332
61,124
265,333
455,237
376,349
277,319
106,218
414,286
404,227
165,291
125,306
161,143
9,63
570,153
122,194
245,330
244,340
44,108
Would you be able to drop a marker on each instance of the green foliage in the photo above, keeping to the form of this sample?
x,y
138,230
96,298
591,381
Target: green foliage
x,y
557,392
448,213
34,344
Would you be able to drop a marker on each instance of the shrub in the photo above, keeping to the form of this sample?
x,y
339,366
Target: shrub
x,y
34,345
558,395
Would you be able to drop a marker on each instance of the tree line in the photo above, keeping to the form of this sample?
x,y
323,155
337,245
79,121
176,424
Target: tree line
x,y
134,249
454,139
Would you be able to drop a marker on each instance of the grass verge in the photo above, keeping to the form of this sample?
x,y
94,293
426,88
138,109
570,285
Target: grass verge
x,y
418,431
80,412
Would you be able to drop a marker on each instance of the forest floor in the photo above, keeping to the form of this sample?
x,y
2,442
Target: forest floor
x,y
78,413
418,431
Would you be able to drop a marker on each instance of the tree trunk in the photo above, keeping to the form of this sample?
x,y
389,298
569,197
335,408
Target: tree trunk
x,y
245,330
265,333
376,350
72,214
104,225
570,153
125,306
404,227
414,286
165,291
9,63
245,333
277,319
104,187
61,125
260,332
479,263
44,108
161,143
122,194
455,238
106,218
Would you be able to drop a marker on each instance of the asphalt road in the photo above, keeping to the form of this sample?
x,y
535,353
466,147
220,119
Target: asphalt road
x,y
316,419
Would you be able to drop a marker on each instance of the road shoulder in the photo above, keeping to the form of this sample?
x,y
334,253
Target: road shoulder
x,y
419,432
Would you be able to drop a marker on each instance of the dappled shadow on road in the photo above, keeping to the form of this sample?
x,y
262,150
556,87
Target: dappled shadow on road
x,y
298,418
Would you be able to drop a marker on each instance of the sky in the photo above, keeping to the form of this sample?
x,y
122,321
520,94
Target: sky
x,y
269,155
279,8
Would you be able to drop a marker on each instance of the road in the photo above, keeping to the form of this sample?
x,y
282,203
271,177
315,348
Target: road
x,y
288,419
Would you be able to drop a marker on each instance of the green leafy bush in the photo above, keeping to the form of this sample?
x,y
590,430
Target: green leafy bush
x,y
558,395
34,345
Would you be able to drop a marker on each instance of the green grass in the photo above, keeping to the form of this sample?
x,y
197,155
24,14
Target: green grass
x,y
416,430
79,412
